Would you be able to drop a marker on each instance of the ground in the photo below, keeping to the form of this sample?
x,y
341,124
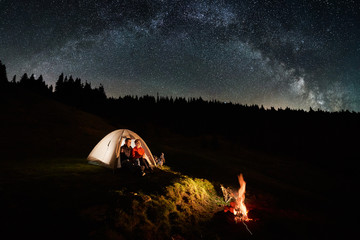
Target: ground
x,y
48,189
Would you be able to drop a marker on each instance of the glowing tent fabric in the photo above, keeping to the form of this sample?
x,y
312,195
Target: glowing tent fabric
x,y
107,151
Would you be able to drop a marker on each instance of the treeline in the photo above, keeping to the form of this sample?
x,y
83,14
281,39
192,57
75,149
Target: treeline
x,y
307,134
67,89
75,92
82,95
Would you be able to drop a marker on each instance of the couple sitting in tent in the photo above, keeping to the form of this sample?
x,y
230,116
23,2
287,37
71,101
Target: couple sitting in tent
x,y
133,158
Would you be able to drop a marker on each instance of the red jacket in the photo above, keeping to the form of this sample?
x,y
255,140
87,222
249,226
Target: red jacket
x,y
137,152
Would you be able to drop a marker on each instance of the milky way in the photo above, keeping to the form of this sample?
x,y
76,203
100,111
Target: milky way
x,y
296,54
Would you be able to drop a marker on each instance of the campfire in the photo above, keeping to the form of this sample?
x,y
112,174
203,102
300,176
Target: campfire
x,y
236,199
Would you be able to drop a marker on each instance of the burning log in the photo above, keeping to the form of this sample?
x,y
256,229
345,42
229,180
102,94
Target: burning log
x,y
237,202
230,208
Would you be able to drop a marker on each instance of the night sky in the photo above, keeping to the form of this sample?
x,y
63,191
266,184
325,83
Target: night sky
x,y
295,53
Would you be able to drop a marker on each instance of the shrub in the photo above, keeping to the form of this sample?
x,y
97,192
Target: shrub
x,y
181,210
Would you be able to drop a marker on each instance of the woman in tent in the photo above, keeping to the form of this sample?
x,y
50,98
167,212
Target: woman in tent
x,y
138,154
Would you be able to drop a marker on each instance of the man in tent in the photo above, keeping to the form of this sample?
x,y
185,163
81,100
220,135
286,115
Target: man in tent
x,y
125,153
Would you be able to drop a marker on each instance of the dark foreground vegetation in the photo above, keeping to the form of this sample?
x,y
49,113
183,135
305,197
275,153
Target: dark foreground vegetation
x,y
300,167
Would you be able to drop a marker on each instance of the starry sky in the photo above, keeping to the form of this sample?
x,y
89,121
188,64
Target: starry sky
x,y
281,53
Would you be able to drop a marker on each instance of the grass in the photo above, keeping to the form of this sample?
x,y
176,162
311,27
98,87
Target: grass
x,y
181,209
65,197
69,198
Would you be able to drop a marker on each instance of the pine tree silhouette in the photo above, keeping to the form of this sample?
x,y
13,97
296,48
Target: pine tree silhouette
x,y
24,80
3,75
60,83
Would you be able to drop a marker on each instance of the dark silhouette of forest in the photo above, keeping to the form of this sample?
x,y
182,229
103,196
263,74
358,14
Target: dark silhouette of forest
x,y
322,137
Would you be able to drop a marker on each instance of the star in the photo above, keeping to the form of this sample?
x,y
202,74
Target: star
x,y
283,54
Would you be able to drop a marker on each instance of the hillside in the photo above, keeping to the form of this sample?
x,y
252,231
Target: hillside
x,y
46,181
34,125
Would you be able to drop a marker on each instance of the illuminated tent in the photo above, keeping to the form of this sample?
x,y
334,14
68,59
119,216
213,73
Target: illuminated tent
x,y
107,151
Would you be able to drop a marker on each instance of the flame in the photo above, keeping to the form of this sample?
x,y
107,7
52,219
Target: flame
x,y
240,208
237,206
237,198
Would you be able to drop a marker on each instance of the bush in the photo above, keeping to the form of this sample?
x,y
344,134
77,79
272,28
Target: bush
x,y
182,210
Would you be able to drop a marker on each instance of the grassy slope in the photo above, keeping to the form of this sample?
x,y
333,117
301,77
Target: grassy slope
x,y
32,125
47,187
